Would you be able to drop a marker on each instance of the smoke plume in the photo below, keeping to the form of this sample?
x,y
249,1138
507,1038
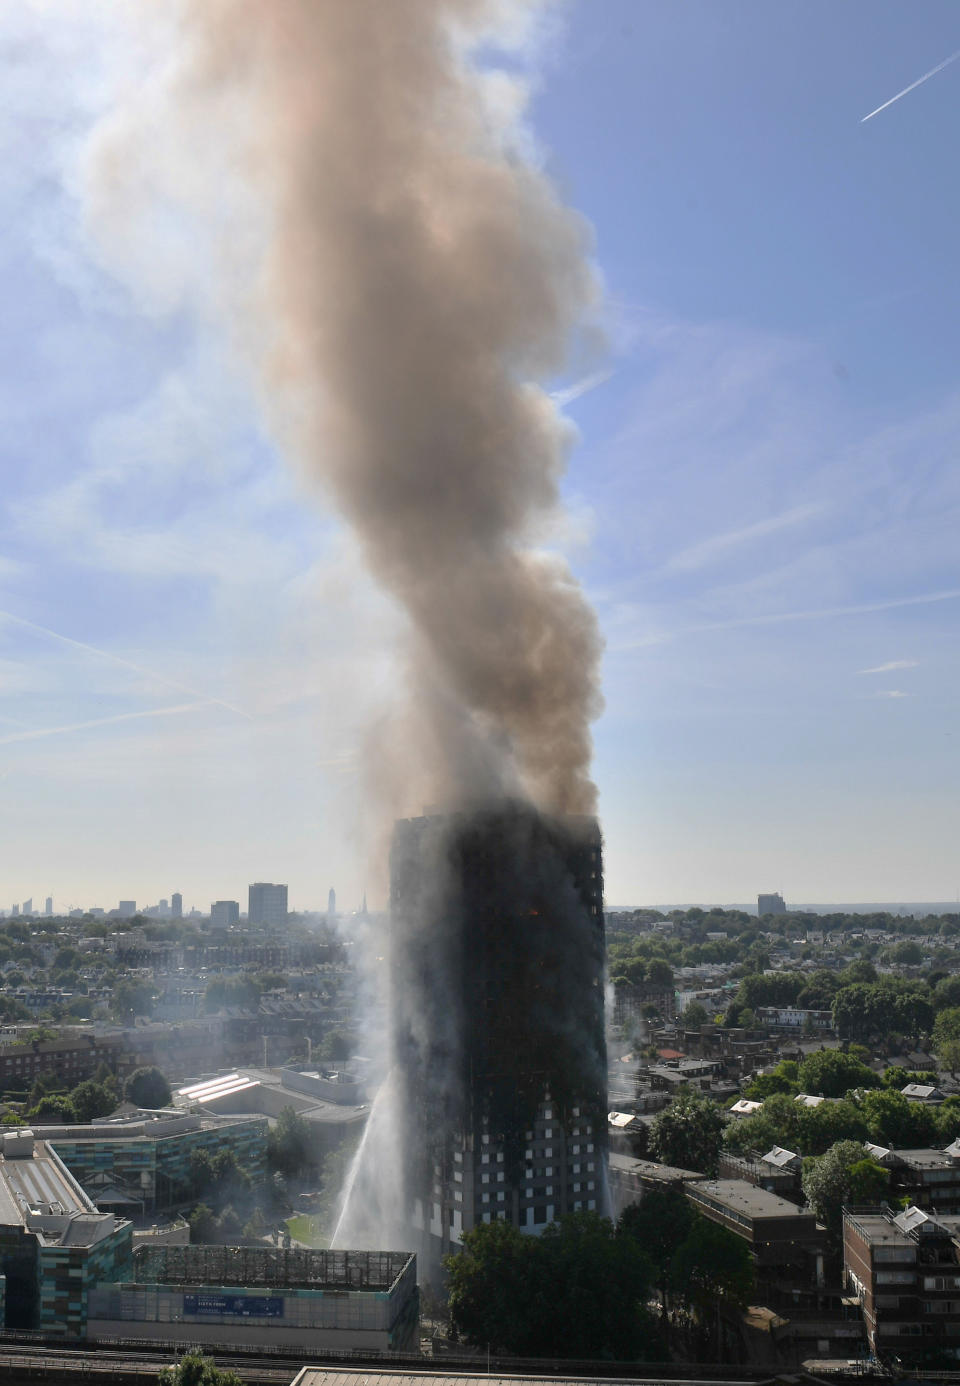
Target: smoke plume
x,y
419,283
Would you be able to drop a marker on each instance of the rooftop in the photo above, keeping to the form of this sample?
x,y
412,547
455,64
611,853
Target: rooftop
x,y
650,1169
142,1125
780,1157
38,1193
739,1196
926,1158
211,1088
883,1226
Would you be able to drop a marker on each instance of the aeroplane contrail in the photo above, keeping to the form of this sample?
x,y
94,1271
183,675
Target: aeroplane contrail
x,y
918,83
124,663
106,721
580,387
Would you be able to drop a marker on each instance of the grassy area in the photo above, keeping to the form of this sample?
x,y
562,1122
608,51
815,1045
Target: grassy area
x,y
306,1229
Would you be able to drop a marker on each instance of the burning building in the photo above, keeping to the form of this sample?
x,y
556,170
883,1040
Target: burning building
x,y
497,960
408,292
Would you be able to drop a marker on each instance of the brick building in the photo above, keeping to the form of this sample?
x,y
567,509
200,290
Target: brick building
x,y
904,1269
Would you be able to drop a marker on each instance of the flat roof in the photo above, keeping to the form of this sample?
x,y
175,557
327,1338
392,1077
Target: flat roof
x,y
876,1228
740,1196
927,1158
629,1164
900,1230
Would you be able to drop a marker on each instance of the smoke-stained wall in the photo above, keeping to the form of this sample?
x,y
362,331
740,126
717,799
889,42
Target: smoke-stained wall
x,y
497,963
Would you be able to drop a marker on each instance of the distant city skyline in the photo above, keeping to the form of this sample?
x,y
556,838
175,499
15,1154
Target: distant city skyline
x,y
174,907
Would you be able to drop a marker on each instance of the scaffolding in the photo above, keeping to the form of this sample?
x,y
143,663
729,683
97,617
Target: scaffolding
x,y
279,1267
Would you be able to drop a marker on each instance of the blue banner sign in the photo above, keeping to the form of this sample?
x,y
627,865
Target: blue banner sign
x,y
243,1306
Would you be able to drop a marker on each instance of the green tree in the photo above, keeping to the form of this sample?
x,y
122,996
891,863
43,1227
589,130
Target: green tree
x,y
946,994
289,1147
335,1047
946,1038
600,1286
695,1016
54,1109
818,991
845,1174
688,1133
272,981
195,1369
659,1223
893,1121
203,1223
859,971
949,1055
490,1283
831,1073
229,1225
783,1078
131,998
92,1100
823,1126
147,1087
777,1123
907,953
712,1266
659,973
334,1172
255,1225
578,1290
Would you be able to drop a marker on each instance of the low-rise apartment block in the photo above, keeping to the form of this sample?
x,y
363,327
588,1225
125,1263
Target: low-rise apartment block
x,y
905,1270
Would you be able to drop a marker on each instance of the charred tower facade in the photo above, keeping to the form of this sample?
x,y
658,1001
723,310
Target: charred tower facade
x,y
497,968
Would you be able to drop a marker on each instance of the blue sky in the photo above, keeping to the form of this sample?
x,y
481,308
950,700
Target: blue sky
x,y
763,501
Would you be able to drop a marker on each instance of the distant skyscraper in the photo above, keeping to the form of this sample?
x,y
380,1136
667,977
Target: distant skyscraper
x,y
15,910
48,907
127,908
224,913
176,905
332,903
770,904
28,906
267,904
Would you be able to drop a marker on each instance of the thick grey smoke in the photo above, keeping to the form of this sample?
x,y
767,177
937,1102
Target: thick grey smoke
x,y
420,278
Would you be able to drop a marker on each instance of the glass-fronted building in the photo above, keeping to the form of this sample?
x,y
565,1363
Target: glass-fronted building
x,y
54,1244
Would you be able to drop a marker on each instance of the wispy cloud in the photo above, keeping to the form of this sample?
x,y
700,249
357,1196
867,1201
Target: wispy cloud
x,y
892,693
775,618
150,674
913,85
699,555
890,666
41,732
